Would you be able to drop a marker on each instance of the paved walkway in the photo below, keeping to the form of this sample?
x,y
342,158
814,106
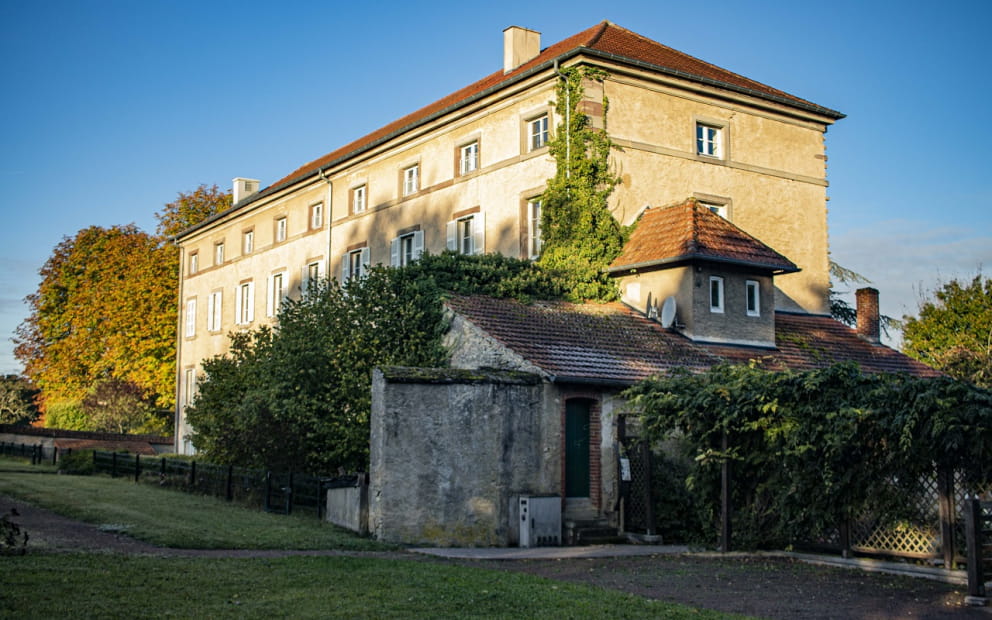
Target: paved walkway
x,y
548,553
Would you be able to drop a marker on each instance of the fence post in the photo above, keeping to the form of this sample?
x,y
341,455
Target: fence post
x,y
289,495
974,537
230,478
946,508
192,474
55,454
113,464
726,531
268,488
137,467
845,539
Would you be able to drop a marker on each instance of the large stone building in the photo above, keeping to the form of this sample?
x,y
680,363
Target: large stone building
x,y
466,173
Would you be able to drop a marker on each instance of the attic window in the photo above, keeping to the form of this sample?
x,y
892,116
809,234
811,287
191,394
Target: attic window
x,y
716,294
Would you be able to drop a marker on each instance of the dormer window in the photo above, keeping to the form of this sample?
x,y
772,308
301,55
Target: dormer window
x,y
716,294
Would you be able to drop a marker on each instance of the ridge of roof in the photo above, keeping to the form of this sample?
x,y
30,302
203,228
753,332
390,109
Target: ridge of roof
x,y
687,231
604,39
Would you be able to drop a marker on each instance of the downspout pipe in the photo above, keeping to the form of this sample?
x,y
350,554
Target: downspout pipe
x,y
568,122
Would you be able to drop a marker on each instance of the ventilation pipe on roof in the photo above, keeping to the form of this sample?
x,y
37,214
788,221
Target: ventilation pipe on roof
x,y
520,45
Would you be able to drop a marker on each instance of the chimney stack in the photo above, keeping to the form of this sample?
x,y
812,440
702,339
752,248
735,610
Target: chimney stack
x,y
868,315
244,188
519,46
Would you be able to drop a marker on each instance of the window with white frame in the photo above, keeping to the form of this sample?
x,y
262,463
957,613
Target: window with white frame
x,y
753,295
354,264
406,248
189,386
214,307
276,293
190,317
313,272
709,140
538,132
281,229
358,199
194,263
468,157
316,216
244,310
248,242
467,234
716,294
534,239
411,179
219,253
719,209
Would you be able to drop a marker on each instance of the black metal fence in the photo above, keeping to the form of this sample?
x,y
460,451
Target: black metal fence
x,y
279,492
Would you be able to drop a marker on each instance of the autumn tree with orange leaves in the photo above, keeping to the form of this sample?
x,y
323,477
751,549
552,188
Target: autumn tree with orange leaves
x,y
103,319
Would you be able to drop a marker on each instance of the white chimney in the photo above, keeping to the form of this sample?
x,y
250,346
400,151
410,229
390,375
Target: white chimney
x,y
519,46
244,188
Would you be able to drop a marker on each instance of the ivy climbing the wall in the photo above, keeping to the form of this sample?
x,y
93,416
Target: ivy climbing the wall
x,y
581,236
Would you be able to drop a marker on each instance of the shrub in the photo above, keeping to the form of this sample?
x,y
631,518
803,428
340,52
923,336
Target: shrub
x,y
79,463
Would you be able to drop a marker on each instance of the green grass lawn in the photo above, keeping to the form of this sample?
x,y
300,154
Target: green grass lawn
x,y
83,586
171,518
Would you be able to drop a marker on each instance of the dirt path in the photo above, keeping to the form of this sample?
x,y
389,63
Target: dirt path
x,y
762,587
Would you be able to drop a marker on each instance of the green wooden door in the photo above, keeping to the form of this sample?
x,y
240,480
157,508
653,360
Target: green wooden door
x,y
577,448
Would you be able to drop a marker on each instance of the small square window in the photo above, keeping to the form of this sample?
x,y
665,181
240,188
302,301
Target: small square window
x,y
281,226
709,140
719,209
219,253
358,199
411,180
716,294
316,216
248,242
468,158
538,131
753,293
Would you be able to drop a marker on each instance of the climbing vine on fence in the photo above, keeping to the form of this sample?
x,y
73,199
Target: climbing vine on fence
x,y
811,450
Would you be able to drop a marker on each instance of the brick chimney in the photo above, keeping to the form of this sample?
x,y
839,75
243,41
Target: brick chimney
x,y
519,46
868,315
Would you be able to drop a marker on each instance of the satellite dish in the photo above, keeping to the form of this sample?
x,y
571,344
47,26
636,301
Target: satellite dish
x,y
668,312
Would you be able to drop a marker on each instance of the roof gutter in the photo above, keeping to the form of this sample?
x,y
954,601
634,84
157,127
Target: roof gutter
x,y
774,269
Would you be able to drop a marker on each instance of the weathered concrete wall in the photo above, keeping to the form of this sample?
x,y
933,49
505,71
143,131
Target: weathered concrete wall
x,y
348,507
451,450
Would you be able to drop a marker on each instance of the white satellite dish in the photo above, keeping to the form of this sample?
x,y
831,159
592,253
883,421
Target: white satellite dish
x,y
668,312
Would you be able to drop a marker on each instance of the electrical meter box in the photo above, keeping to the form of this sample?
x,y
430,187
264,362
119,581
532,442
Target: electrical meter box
x,y
540,520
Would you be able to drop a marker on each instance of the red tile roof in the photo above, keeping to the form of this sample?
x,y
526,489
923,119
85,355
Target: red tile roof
x,y
611,343
605,40
690,231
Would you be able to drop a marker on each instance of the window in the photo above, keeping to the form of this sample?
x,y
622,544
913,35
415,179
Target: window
x,y
411,179
280,230
538,131
719,209
194,262
716,294
534,240
245,299
358,199
214,311
312,273
248,242
190,317
406,248
467,235
354,263
219,253
468,158
189,386
753,293
277,293
316,216
709,140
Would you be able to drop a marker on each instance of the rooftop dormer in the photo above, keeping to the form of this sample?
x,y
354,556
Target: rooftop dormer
x,y
701,275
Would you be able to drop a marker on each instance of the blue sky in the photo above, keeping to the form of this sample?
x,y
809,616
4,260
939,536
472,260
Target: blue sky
x,y
112,107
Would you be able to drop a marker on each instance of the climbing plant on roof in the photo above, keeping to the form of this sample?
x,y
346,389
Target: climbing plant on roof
x,y
581,237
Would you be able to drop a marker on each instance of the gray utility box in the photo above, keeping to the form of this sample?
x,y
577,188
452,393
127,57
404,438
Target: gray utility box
x,y
540,520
